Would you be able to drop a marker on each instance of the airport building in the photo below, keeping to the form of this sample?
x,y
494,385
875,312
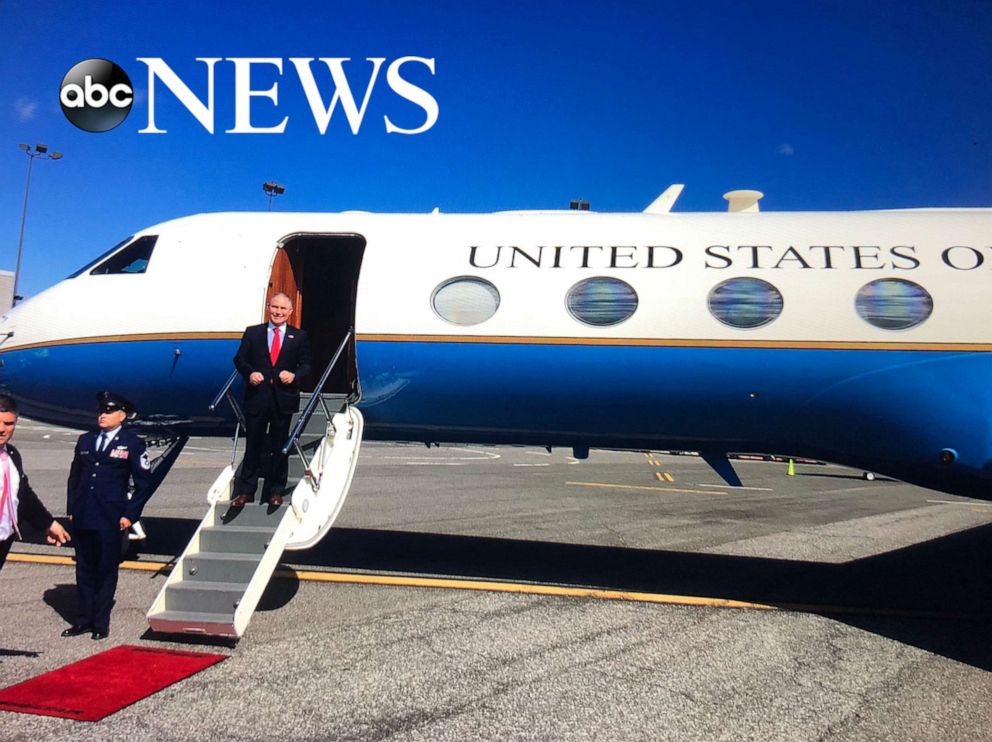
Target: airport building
x,y
6,290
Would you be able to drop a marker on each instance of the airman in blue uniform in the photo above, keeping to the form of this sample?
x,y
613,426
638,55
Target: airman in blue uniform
x,y
105,461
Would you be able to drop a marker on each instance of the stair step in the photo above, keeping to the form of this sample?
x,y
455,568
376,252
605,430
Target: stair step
x,y
193,622
252,514
231,539
209,566
316,426
201,596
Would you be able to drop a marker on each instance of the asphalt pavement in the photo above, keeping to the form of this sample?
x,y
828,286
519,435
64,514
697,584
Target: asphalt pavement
x,y
864,605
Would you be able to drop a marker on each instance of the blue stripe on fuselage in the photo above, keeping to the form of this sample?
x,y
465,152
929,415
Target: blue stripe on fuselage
x,y
891,411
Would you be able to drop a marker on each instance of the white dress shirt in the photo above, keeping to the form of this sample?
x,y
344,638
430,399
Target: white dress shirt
x,y
6,522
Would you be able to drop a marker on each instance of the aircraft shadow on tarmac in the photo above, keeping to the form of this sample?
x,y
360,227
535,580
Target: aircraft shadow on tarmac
x,y
934,595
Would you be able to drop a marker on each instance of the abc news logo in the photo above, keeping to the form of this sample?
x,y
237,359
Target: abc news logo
x,y
97,95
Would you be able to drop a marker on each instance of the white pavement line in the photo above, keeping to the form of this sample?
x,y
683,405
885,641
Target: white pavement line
x,y
641,487
725,486
486,456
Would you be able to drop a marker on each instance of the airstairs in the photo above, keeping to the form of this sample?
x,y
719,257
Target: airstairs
x,y
216,583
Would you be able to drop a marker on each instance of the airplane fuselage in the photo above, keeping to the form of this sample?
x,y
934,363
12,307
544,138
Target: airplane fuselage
x,y
859,338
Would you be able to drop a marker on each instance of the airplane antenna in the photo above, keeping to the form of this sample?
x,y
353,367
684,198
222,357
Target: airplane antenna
x,y
743,200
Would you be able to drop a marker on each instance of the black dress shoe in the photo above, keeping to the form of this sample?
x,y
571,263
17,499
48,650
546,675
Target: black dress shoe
x,y
76,630
100,634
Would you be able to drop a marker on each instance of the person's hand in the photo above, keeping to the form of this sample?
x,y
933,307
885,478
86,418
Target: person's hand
x,y
125,524
286,377
256,378
57,534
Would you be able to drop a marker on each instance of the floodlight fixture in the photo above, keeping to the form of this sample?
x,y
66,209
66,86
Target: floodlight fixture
x,y
272,189
40,150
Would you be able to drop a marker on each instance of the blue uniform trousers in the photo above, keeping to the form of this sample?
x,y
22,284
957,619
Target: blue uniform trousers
x,y
98,556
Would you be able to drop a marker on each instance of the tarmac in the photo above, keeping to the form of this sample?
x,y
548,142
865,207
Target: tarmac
x,y
511,593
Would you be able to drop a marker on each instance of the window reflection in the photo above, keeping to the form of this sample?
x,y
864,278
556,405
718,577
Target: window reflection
x,y
893,304
601,301
745,303
465,301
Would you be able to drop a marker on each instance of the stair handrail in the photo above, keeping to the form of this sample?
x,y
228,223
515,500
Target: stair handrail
x,y
225,391
301,423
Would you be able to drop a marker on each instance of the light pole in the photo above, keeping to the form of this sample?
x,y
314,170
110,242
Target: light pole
x,y
40,150
272,189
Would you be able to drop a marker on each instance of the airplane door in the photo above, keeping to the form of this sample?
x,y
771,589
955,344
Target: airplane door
x,y
282,280
320,272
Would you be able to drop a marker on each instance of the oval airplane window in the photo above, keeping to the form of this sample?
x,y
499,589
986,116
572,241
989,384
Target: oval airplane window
x,y
893,303
745,303
601,301
465,300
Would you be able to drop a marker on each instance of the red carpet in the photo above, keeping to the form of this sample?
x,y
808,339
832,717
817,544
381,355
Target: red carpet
x,y
105,683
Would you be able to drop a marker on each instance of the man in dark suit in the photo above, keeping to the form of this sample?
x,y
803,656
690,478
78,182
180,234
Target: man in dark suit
x,y
101,511
273,358
18,502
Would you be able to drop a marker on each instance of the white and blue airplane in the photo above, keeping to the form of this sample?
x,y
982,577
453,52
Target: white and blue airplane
x,y
860,338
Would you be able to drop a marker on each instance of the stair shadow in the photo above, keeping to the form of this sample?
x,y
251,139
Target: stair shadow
x,y
888,594
279,592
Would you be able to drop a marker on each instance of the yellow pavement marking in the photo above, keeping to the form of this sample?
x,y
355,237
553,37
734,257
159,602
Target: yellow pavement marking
x,y
481,585
532,589
641,487
979,505
661,476
529,589
70,562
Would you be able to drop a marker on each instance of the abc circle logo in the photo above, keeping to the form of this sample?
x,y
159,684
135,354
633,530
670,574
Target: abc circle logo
x,y
96,95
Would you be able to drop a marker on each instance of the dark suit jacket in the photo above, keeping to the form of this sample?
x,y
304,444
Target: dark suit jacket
x,y
253,355
29,507
98,482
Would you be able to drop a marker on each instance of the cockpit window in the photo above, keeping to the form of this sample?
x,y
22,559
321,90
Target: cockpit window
x,y
132,259
99,259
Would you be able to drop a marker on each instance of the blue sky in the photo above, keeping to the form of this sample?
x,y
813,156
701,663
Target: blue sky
x,y
821,105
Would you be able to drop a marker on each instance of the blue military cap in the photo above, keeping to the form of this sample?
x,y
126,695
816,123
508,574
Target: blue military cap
x,y
111,402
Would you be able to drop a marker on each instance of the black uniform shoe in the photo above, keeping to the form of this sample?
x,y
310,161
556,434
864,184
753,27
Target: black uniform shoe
x,y
100,634
76,630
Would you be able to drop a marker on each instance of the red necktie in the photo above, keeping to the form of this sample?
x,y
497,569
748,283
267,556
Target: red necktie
x,y
276,346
